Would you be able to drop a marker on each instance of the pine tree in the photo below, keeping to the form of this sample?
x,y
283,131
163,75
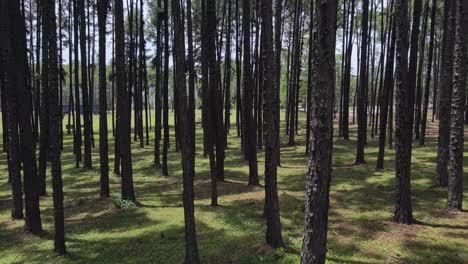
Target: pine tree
x,y
314,244
103,141
403,210
455,182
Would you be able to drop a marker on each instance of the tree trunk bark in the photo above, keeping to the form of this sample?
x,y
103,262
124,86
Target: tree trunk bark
x,y
455,164
103,141
445,95
403,210
314,244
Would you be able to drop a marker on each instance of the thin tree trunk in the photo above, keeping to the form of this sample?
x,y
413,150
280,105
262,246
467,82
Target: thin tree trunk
x,y
273,232
103,141
84,87
347,77
419,84
186,135
422,137
445,95
385,95
361,91
250,135
55,120
157,96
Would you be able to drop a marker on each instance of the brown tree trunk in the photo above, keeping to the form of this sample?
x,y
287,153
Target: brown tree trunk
x,y
314,244
403,210
123,120
445,95
361,91
273,232
250,133
103,141
425,107
186,136
455,164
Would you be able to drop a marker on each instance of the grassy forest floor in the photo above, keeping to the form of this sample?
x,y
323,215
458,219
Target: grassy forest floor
x,y
361,229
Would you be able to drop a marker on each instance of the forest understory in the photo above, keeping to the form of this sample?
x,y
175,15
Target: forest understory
x,y
361,229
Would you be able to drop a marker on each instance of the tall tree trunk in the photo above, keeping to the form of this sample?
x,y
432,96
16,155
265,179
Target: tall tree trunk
x,y
419,80
278,47
310,76
71,113
165,88
33,223
347,77
158,84
273,232
385,94
250,133
84,87
445,95
314,244
44,109
209,86
123,106
215,95
403,210
413,56
422,137
77,140
186,135
455,182
54,123
361,91
192,72
9,17
227,76
103,141
239,112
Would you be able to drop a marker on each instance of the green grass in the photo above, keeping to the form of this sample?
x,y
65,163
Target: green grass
x,y
361,229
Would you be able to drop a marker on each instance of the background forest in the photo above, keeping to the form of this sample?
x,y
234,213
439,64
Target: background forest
x,y
205,131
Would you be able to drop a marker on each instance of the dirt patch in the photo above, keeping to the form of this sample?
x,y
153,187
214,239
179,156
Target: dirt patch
x,y
262,250
401,232
445,213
